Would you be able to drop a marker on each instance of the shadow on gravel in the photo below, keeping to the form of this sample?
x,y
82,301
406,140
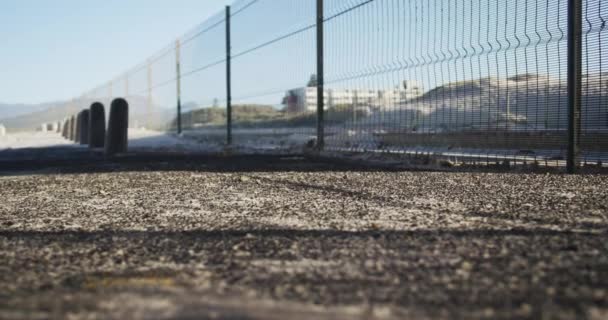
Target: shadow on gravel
x,y
74,159
78,159
94,162
463,272
509,217
294,234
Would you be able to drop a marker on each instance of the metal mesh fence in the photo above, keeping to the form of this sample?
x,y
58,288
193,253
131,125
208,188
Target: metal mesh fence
x,y
203,81
472,80
594,105
273,67
479,80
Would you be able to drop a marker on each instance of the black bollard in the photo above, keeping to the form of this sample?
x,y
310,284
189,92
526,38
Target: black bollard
x,y
97,125
72,128
77,128
118,127
67,127
65,131
84,127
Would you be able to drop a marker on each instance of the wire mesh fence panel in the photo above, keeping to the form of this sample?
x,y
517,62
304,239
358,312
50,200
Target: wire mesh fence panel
x,y
100,94
119,87
594,104
203,81
273,78
473,80
137,93
160,112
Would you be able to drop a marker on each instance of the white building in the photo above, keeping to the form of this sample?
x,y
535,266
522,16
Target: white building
x,y
391,98
305,99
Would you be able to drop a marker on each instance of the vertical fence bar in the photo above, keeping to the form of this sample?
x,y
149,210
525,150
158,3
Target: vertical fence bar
x,y
228,80
126,85
178,78
575,49
110,89
149,100
320,77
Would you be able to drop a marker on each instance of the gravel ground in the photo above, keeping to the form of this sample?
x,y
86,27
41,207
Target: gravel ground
x,y
256,238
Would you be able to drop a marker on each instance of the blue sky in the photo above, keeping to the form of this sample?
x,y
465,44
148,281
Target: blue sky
x,y
60,49
54,50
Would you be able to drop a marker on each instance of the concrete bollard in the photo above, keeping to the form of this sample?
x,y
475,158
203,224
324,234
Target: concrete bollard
x,y
78,127
97,125
118,128
58,127
65,131
2,131
73,128
67,126
84,127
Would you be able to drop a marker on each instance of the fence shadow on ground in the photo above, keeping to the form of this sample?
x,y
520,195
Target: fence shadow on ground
x,y
70,160
95,162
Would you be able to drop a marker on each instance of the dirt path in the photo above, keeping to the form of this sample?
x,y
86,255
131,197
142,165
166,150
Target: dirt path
x,y
271,239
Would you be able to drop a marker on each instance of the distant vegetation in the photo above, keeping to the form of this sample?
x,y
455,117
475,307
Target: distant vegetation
x,y
252,115
515,103
53,112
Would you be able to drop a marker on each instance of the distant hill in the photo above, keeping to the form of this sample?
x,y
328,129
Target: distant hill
x,y
524,101
140,115
8,110
527,101
33,119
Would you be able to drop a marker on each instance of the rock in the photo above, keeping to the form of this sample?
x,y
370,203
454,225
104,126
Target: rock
x,y
446,164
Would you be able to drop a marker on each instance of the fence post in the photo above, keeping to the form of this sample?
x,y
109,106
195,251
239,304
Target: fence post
x,y
320,77
149,98
179,86
574,82
228,80
126,86
111,89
